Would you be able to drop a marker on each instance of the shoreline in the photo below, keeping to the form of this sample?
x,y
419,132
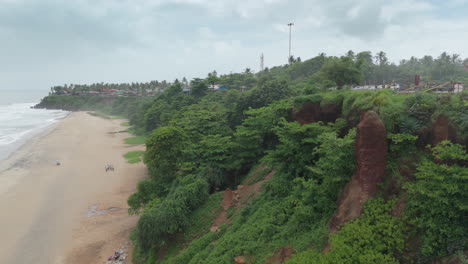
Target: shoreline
x,y
31,134
47,207
16,159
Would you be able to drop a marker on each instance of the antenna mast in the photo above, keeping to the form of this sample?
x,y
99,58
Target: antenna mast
x,y
261,62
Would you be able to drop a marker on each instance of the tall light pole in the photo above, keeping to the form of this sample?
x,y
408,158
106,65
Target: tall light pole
x,y
290,27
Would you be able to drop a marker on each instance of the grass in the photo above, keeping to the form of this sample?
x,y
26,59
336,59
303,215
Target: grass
x,y
105,116
231,211
98,114
258,231
125,124
136,131
202,218
117,117
138,140
132,130
200,223
134,156
256,175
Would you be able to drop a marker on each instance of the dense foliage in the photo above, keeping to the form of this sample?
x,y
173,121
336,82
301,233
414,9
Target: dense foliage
x,y
373,238
203,142
438,201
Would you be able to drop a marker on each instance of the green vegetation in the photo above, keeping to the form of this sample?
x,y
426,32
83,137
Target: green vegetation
x,y
134,156
373,238
99,114
256,174
438,203
201,143
137,140
125,124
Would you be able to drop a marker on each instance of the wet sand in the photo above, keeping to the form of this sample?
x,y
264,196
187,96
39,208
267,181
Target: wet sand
x,y
60,214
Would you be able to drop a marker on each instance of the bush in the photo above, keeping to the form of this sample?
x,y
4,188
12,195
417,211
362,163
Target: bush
x,y
171,215
372,238
437,202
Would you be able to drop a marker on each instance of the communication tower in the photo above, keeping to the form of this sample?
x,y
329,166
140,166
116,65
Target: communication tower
x,y
261,62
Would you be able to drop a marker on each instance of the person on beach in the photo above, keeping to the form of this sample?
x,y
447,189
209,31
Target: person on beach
x,y
57,162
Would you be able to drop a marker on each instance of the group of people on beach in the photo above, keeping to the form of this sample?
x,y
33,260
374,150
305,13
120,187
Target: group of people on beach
x,y
108,167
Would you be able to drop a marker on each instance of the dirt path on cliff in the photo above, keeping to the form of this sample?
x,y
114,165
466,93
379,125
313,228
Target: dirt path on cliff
x,y
56,214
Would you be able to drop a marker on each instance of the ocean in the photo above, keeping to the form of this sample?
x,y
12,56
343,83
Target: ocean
x,y
19,122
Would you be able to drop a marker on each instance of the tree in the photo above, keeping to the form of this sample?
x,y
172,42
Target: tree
x,y
199,88
164,153
381,58
267,93
255,136
342,71
382,73
170,216
174,90
366,63
212,78
456,59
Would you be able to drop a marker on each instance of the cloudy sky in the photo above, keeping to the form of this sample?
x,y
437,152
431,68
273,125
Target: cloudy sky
x,y
52,42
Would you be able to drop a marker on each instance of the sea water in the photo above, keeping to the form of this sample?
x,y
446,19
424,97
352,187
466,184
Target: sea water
x,y
19,122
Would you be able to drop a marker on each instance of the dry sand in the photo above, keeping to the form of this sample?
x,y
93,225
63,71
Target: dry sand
x,y
45,209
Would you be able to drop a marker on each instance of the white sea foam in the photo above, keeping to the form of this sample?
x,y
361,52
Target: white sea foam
x,y
18,122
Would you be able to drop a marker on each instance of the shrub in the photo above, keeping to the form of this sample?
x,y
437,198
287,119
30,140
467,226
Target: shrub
x,y
437,202
372,238
171,215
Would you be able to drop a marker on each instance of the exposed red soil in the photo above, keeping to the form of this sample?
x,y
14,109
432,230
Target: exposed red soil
x,y
234,198
442,130
327,248
371,157
349,204
281,256
162,253
371,153
241,260
399,207
450,260
313,112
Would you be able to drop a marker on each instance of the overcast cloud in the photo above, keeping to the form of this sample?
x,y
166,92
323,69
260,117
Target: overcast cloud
x,y
50,42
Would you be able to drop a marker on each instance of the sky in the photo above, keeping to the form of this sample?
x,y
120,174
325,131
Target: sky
x,y
53,42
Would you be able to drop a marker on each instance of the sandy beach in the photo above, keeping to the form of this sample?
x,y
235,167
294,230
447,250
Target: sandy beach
x,y
73,213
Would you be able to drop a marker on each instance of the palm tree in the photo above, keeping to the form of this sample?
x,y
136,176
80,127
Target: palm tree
x,y
381,58
382,62
456,59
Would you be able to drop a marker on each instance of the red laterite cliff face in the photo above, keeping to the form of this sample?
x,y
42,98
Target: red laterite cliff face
x,y
371,153
371,158
442,130
313,112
